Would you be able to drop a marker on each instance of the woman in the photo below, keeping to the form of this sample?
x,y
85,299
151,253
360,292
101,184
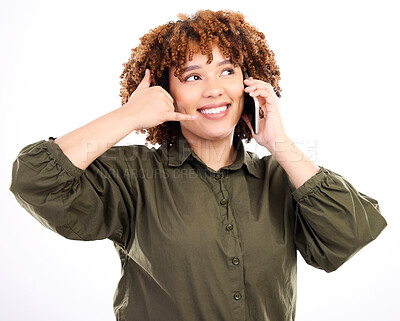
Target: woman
x,y
204,229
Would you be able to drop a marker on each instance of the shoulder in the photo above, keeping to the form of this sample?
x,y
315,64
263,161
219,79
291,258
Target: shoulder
x,y
134,156
266,165
268,169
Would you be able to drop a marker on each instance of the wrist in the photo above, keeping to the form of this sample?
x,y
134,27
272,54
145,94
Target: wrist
x,y
284,150
127,118
280,146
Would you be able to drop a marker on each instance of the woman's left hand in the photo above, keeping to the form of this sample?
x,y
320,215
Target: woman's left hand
x,y
271,131
272,134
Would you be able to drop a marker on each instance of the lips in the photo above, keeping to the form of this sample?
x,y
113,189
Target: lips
x,y
214,109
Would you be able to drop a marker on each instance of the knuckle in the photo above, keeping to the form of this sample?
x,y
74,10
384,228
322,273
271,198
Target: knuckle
x,y
156,89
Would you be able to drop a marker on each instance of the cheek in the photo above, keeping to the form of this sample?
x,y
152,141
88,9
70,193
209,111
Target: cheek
x,y
237,88
242,102
178,95
176,92
185,98
182,100
237,91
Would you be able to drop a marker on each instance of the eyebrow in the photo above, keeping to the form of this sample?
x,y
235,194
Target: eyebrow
x,y
193,67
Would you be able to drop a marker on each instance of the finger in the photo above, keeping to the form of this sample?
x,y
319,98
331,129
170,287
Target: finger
x,y
251,81
170,107
168,95
146,81
259,84
174,116
262,96
160,96
161,93
269,96
259,92
262,86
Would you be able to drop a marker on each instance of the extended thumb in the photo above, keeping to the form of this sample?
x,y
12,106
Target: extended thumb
x,y
146,81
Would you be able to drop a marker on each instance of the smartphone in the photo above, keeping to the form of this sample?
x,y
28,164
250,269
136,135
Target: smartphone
x,y
251,108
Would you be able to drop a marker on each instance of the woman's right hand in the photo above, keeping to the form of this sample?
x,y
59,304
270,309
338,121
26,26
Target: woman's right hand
x,y
151,106
147,107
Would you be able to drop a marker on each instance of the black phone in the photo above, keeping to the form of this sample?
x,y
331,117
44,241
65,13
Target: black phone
x,y
251,108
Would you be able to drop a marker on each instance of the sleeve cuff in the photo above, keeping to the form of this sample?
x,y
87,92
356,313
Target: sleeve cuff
x,y
311,184
61,159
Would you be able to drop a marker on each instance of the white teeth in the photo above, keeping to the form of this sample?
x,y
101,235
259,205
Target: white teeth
x,y
214,110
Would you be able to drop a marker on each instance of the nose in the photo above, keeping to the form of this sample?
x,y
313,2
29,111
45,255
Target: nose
x,y
213,87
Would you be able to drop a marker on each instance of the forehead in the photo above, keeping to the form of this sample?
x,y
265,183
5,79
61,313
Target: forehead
x,y
196,59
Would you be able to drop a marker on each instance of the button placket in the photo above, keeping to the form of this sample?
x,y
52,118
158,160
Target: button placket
x,y
233,250
223,201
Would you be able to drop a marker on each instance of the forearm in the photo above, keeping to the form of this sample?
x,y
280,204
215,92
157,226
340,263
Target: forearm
x,y
296,164
83,145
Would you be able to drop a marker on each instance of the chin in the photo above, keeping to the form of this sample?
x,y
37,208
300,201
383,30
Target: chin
x,y
219,134
211,132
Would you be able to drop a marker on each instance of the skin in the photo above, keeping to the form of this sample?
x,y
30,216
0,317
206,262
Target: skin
x,y
219,83
273,136
211,139
147,107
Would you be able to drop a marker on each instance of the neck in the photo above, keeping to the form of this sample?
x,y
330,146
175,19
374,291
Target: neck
x,y
214,153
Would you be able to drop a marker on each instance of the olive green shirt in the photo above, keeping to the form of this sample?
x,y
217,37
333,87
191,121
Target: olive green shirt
x,y
197,244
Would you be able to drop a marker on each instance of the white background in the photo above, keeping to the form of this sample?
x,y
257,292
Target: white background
x,y
60,66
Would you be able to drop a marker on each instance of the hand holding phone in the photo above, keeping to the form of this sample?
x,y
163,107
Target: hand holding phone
x,y
251,108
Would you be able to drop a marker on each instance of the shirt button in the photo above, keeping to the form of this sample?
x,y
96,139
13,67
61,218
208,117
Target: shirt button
x,y
235,261
237,296
229,227
218,177
223,201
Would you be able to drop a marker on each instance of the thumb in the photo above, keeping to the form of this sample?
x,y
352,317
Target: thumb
x,y
146,81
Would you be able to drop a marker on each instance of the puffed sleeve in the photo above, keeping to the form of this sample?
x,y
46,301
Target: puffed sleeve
x,y
90,204
333,221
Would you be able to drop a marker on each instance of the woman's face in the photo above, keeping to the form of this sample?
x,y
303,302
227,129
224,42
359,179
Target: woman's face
x,y
213,92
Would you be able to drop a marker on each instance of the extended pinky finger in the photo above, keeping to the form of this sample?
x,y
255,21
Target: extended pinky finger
x,y
179,116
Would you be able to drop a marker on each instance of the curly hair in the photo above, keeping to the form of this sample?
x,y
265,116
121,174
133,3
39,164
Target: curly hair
x,y
171,44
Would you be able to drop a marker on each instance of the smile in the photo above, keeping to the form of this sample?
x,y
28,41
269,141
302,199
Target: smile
x,y
216,110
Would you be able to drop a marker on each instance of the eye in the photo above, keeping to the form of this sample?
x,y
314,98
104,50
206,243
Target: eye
x,y
192,78
227,72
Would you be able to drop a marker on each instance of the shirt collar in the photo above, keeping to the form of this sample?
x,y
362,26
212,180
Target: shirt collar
x,y
180,151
